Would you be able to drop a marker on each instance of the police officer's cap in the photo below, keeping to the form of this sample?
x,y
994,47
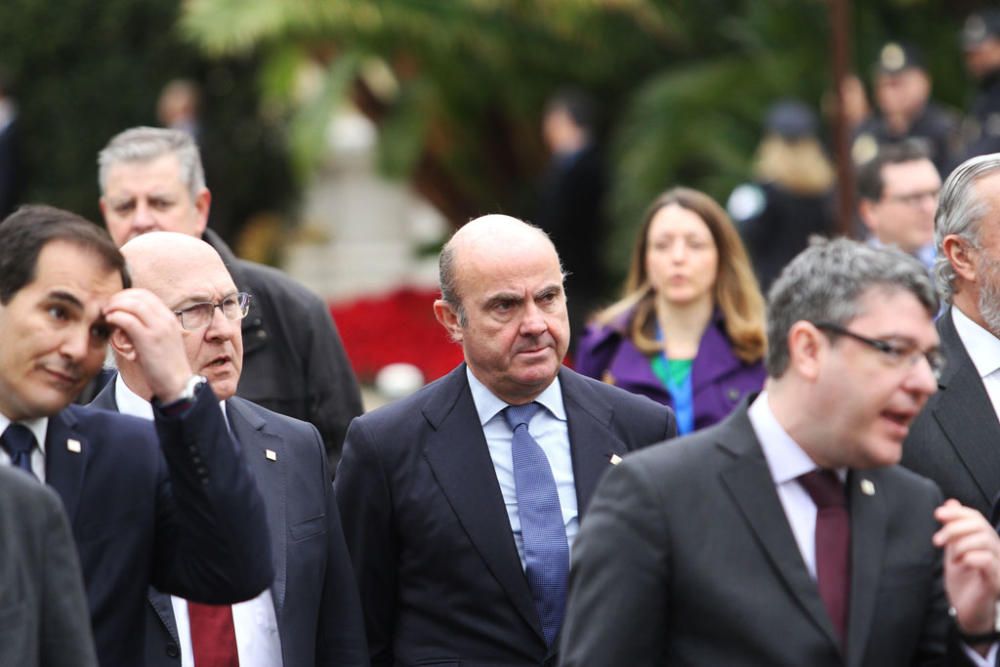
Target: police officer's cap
x,y
895,57
979,27
791,119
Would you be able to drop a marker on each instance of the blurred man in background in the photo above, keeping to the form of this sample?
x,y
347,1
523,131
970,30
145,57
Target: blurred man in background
x,y
897,196
902,89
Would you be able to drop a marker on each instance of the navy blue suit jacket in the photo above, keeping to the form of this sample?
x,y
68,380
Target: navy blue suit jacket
x,y
173,506
440,579
314,592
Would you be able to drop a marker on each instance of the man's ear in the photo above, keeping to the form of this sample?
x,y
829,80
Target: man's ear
x,y
122,346
868,214
449,319
806,346
202,204
959,254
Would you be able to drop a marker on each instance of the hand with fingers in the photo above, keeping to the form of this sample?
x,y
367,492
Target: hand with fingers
x,y
971,566
155,340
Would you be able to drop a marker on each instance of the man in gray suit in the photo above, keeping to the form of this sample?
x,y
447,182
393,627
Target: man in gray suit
x,y
787,534
44,621
955,440
310,616
460,503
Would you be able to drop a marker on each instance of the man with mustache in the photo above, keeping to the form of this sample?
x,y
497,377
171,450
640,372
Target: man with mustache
x,y
310,616
787,534
169,504
460,502
955,439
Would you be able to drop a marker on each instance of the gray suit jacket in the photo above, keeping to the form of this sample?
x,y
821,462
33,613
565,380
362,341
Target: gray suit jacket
x,y
44,621
687,558
315,597
955,440
429,536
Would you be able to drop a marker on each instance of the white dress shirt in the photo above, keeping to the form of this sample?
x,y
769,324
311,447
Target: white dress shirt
x,y
787,460
255,621
549,429
984,350
39,427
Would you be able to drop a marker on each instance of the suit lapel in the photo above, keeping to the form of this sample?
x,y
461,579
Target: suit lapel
x,y
457,453
164,608
592,441
252,435
64,469
748,480
868,526
962,402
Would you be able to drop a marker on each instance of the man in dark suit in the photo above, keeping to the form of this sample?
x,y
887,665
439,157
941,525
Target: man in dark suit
x,y
955,440
172,506
311,615
42,603
571,206
458,508
740,545
152,180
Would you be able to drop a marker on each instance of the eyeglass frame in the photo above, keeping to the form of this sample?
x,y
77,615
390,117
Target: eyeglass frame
x,y
243,300
897,353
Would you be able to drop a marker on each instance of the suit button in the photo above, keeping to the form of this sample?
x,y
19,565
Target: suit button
x,y
173,651
733,394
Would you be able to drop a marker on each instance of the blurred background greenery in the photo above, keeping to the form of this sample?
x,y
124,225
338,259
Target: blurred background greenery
x,y
455,87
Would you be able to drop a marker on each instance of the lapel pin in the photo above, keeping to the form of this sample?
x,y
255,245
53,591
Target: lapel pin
x,y
867,487
270,455
615,459
74,446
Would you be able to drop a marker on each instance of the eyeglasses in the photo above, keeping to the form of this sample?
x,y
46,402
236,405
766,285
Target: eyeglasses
x,y
896,353
234,307
916,198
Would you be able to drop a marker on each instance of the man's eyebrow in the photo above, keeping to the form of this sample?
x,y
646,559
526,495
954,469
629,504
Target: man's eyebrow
x,y
65,297
504,297
548,290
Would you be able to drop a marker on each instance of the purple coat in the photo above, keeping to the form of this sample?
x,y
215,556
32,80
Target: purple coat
x,y
719,379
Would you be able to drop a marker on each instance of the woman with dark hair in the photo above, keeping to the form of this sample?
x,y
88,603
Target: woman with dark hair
x,y
689,330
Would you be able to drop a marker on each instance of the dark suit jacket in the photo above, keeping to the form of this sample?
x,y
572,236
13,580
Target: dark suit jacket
x,y
440,579
43,609
687,558
172,506
955,440
315,596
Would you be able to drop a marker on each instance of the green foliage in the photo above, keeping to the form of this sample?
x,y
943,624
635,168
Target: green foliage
x,y
684,83
86,70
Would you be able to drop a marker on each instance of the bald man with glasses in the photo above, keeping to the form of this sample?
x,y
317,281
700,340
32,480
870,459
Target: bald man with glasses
x,y
311,614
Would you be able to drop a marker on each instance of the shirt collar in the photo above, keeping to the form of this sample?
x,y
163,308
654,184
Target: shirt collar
x,y
131,403
785,457
982,346
39,428
488,405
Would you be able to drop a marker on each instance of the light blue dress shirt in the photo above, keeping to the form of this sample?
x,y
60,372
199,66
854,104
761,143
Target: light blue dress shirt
x,y
548,427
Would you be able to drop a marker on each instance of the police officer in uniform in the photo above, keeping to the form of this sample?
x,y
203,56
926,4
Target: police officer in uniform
x,y
902,89
981,41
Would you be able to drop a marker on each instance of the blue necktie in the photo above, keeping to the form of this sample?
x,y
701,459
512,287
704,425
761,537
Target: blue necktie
x,y
18,441
546,551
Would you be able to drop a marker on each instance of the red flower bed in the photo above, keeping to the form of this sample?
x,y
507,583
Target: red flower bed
x,y
398,327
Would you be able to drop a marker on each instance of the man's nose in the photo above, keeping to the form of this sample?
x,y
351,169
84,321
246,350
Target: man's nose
x,y
533,322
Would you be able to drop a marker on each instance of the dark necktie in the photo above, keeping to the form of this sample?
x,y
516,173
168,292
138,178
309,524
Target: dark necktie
x,y
833,544
18,441
546,551
213,636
